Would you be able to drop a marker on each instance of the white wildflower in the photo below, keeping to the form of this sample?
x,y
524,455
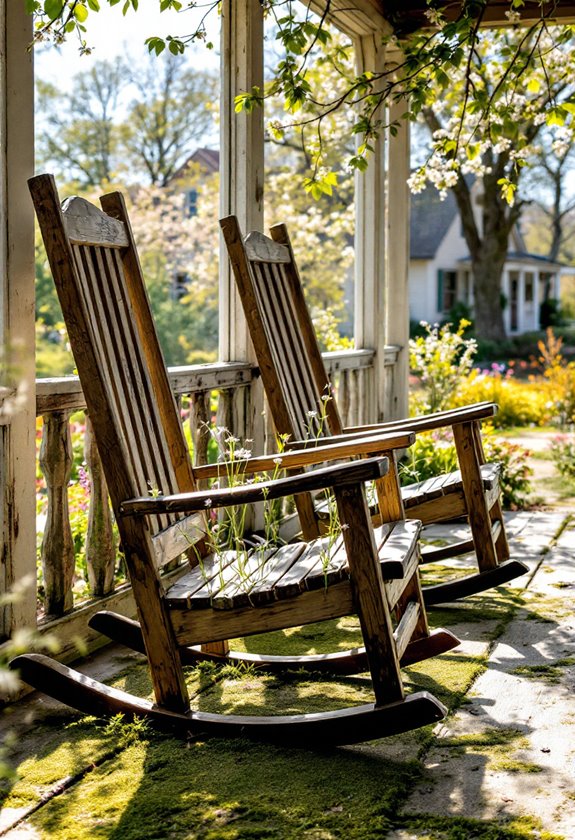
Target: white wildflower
x,y
243,453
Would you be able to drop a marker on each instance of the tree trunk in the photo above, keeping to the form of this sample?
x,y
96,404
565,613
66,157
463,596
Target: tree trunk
x,y
487,268
488,244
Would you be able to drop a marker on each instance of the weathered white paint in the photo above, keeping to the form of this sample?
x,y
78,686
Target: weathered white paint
x,y
241,189
370,241
17,441
397,213
242,155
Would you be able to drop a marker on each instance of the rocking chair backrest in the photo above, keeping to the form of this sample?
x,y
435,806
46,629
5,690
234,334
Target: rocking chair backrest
x,y
286,347
117,353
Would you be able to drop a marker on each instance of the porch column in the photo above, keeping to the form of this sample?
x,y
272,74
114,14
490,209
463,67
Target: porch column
x,y
398,219
18,411
370,240
241,192
241,155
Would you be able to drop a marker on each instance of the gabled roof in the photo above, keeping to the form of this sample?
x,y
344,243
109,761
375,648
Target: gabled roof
x,y
431,217
430,220
208,161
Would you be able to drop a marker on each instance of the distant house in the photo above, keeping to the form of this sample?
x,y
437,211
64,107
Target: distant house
x,y
192,172
440,268
199,166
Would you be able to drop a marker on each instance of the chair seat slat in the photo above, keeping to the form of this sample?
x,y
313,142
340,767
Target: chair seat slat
x,y
438,486
223,582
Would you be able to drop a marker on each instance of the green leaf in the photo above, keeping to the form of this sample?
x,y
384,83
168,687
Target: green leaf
x,y
53,8
80,12
507,190
155,45
556,117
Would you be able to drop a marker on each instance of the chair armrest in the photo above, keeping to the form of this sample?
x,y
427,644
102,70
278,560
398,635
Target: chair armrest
x,y
335,476
429,422
317,452
370,442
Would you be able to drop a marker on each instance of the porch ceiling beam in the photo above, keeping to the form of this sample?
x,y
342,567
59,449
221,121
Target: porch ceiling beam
x,y
409,15
361,17
355,18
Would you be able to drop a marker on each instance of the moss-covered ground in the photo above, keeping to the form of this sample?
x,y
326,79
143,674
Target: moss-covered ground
x,y
77,778
74,777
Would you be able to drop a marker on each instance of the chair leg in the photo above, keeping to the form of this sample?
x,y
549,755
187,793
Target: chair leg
x,y
501,543
477,508
413,593
369,595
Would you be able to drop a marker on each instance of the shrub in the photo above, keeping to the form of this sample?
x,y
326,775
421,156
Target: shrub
x,y
433,453
515,473
563,454
550,314
520,403
560,377
443,360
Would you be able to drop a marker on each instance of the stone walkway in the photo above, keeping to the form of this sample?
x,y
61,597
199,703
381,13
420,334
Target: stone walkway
x,y
524,701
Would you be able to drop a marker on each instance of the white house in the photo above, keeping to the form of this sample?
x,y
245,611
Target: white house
x,y
440,268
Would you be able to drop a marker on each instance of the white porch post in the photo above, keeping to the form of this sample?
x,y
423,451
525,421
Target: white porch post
x,y
370,241
382,252
17,430
241,155
241,190
398,218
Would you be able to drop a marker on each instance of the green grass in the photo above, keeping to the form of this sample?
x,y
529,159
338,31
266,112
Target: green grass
x,y
92,779
122,781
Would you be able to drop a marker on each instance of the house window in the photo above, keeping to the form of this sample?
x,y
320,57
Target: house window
x,y
529,287
180,283
191,203
446,290
466,288
513,301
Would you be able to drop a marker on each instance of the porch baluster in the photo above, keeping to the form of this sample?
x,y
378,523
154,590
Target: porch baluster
x,y
199,425
100,544
343,396
57,545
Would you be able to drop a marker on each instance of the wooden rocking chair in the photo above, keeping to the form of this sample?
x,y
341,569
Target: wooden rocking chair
x,y
297,385
137,428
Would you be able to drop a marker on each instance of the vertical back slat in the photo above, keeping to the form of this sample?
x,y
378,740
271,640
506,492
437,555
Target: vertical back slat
x,y
296,391
306,328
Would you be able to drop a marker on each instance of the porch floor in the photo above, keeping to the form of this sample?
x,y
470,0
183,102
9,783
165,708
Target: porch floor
x,y
500,767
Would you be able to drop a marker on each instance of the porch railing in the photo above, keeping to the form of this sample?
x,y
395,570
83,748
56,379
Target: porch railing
x,y
225,393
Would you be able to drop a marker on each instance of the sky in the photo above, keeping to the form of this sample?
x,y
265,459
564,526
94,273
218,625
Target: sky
x,y
111,34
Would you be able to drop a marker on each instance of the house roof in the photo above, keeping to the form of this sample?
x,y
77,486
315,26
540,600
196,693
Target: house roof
x,y
429,222
431,218
207,159
526,257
